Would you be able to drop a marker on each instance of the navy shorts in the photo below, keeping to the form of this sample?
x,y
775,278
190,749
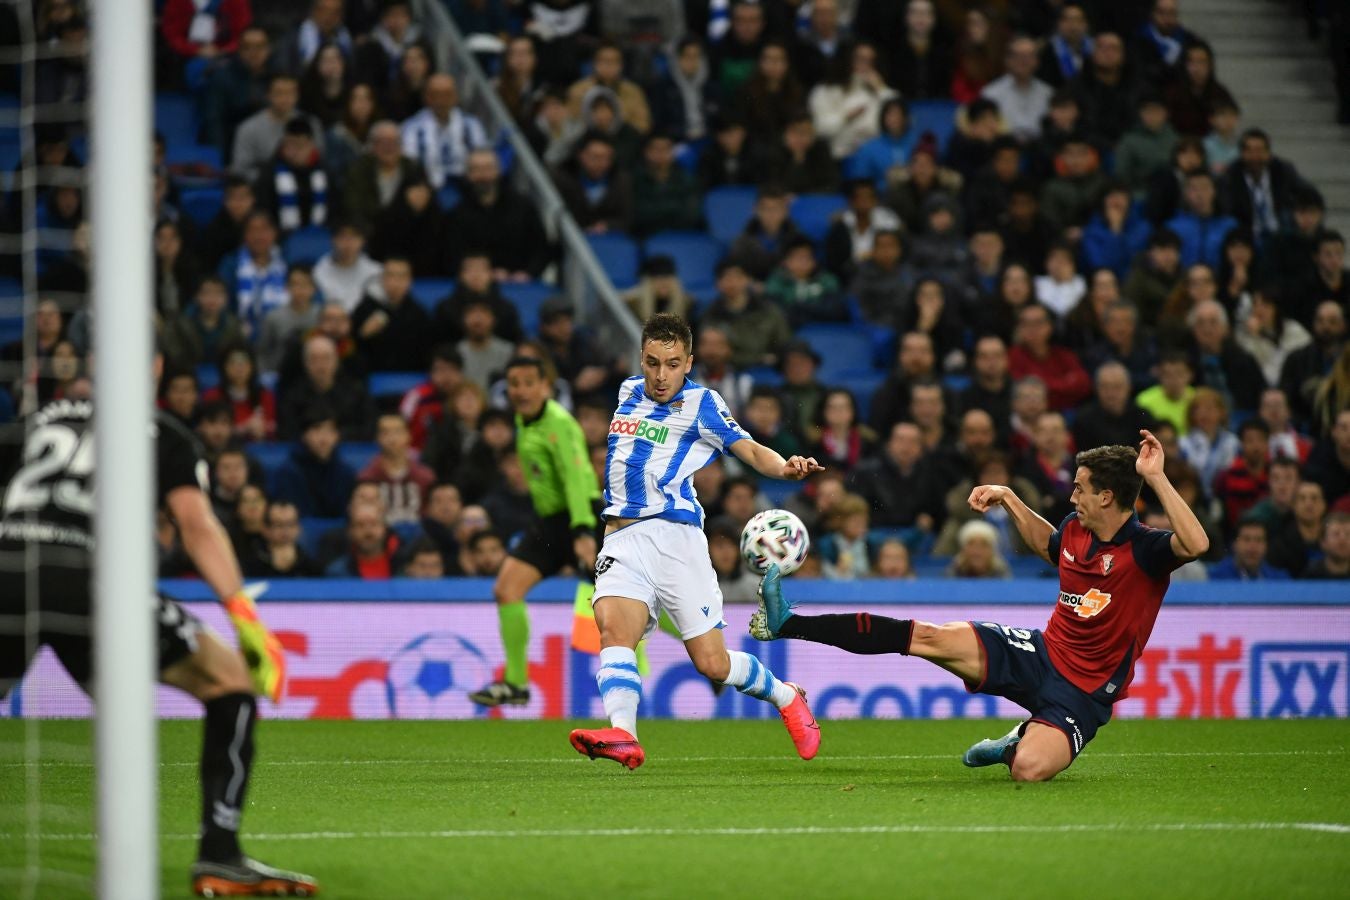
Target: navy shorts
x,y
1017,666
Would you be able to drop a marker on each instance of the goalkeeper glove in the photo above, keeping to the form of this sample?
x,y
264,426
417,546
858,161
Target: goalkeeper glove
x,y
262,651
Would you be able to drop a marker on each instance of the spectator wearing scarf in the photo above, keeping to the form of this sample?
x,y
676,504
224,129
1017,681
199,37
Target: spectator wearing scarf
x,y
1068,50
295,189
1160,43
256,272
378,59
324,26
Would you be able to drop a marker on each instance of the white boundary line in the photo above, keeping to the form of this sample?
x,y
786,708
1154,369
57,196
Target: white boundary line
x,y
485,760
804,830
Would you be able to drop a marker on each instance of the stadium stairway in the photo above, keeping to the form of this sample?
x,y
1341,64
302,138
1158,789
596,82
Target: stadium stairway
x,y
1284,84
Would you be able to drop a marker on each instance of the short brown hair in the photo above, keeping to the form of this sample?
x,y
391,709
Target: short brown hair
x,y
845,506
1112,469
667,328
1207,395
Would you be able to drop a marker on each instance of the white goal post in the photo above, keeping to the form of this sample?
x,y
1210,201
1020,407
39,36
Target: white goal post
x,y
124,637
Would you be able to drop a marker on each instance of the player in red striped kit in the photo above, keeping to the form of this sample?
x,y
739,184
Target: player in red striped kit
x,y
1113,573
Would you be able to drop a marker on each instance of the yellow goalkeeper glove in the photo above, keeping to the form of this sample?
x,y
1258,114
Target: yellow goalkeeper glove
x,y
262,651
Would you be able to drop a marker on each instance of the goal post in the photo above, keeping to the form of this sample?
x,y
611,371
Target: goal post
x,y
126,748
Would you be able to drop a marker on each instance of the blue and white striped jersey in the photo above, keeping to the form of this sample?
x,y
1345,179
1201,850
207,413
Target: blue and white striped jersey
x,y
655,449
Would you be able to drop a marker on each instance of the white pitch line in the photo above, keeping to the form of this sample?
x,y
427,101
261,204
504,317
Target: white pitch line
x,y
470,760
804,830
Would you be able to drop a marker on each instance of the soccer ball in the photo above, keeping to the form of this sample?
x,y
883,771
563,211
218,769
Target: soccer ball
x,y
428,678
774,536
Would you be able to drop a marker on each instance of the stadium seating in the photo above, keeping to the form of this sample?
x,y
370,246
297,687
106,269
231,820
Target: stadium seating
x,y
856,356
406,531
176,119
195,156
430,291
727,210
776,490
935,116
842,348
313,528
357,454
11,329
269,455
862,385
527,297
695,255
201,204
11,150
447,197
306,245
618,255
814,213
208,376
765,375
385,385
956,383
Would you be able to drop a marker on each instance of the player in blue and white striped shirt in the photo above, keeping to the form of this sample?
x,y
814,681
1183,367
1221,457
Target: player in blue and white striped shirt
x,y
655,556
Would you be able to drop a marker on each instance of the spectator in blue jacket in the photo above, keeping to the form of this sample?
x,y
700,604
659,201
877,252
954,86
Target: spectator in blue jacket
x,y
1116,234
889,149
1198,223
1248,562
314,478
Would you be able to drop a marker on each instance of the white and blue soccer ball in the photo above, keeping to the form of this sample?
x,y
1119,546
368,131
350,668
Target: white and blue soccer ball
x,y
775,536
430,676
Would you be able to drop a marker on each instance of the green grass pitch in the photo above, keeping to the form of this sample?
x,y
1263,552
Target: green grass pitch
x,y
383,810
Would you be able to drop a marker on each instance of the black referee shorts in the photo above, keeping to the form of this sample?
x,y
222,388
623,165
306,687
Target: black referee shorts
x,y
547,542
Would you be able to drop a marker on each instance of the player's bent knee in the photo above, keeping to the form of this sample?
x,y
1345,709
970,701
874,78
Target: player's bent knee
x,y
228,678
214,670
716,666
514,581
928,639
925,636
1034,767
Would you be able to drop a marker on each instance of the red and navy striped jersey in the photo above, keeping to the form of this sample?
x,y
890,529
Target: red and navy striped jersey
x,y
1109,596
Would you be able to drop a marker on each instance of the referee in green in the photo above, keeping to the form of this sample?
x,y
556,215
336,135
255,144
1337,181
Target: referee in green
x,y
566,528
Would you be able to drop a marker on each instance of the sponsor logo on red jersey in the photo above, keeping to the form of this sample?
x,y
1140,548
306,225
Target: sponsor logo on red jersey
x,y
1086,605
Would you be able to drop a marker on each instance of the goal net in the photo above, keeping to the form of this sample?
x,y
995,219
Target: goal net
x,y
60,778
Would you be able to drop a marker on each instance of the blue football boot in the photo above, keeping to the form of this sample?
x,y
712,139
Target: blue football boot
x,y
991,751
774,609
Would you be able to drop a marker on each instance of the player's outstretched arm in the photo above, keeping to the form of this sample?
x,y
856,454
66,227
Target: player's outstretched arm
x,y
769,462
1188,535
208,546
1034,529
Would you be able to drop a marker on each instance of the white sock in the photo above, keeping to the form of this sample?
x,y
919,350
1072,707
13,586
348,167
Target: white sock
x,y
620,687
750,676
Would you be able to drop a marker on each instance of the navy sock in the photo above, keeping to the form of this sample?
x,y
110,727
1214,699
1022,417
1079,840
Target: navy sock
x,y
855,632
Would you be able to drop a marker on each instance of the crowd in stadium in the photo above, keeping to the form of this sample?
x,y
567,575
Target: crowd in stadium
x,y
1092,242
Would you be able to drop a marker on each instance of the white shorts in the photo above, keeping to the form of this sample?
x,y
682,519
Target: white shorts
x,y
666,566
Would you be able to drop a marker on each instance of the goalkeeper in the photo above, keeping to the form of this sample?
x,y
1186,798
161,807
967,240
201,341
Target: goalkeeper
x,y
565,531
47,507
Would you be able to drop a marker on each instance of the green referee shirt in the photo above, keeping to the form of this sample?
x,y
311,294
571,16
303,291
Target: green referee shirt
x,y
552,451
